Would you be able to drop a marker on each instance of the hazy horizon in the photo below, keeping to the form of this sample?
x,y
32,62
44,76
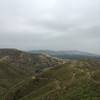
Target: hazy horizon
x,y
50,25
55,50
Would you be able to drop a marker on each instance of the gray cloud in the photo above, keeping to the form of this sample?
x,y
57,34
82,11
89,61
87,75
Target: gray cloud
x,y
50,24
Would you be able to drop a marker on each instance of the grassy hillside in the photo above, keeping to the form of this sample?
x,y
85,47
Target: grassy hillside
x,y
75,80
26,62
17,66
25,76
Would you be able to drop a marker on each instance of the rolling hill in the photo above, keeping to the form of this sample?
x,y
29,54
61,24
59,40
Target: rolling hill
x,y
52,79
26,62
75,80
16,65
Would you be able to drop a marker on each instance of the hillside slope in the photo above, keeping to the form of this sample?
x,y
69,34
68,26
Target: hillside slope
x,y
26,62
75,80
16,66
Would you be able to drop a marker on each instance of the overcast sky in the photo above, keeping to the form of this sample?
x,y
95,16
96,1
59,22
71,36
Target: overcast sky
x,y
50,24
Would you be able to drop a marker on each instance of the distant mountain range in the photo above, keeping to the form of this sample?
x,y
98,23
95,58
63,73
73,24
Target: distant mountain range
x,y
72,54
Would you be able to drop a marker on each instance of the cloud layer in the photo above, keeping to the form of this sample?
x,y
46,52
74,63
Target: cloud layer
x,y
50,24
